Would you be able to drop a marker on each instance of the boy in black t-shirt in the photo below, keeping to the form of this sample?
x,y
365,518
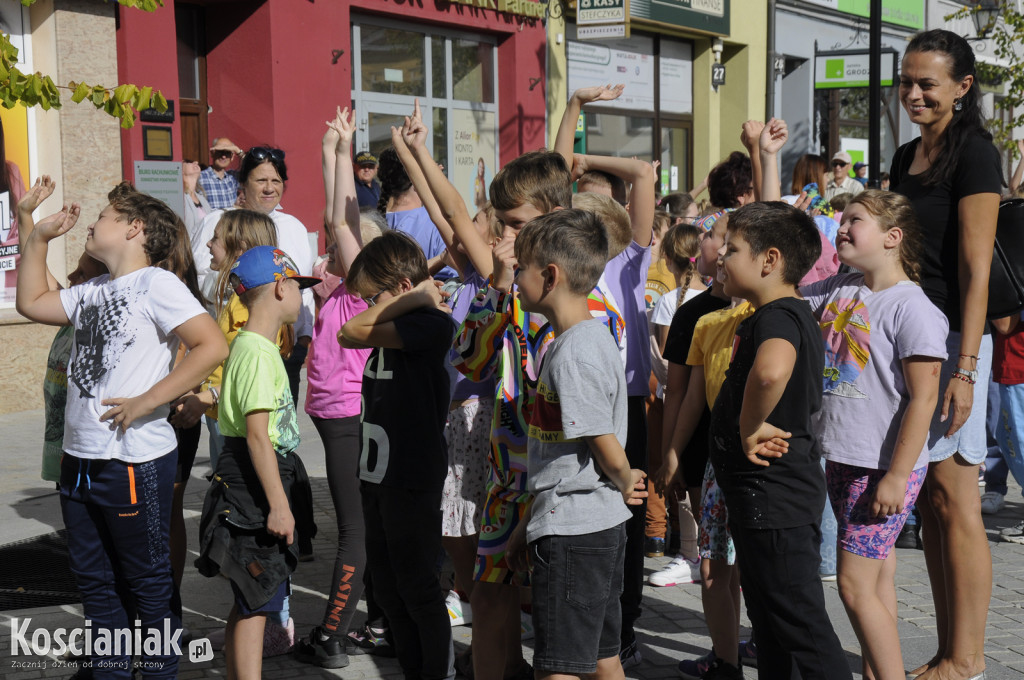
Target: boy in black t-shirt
x,y
404,457
765,456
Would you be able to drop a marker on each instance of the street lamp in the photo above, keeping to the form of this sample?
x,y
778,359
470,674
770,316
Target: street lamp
x,y
985,15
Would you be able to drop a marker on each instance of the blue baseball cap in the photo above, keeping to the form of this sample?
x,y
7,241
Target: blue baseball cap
x,y
266,264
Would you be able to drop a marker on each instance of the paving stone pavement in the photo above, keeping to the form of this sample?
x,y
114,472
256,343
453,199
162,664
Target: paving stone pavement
x,y
671,628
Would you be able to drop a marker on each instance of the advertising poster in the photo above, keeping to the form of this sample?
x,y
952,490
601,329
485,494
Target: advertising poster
x,y
15,136
590,65
474,156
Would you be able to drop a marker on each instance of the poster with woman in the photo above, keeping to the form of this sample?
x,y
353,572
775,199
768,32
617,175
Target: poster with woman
x,y
474,156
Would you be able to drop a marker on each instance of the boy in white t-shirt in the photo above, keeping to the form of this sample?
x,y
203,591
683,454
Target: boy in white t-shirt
x,y
120,452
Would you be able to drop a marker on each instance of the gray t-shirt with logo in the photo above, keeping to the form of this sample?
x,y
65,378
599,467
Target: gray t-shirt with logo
x,y
581,391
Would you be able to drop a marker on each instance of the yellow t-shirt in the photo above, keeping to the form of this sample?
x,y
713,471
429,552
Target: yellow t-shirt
x,y
659,281
711,346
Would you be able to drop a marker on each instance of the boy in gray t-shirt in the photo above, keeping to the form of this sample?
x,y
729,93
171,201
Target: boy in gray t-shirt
x,y
579,474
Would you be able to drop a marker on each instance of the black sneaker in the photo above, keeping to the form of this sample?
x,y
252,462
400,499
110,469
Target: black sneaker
x,y
321,650
720,670
910,537
367,640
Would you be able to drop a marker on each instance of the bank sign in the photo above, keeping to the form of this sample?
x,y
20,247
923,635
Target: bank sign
x,y
850,70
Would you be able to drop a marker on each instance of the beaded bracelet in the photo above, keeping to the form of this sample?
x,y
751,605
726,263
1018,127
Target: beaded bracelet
x,y
963,377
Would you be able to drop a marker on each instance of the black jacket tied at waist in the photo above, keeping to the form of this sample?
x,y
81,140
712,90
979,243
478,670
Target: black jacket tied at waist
x,y
233,531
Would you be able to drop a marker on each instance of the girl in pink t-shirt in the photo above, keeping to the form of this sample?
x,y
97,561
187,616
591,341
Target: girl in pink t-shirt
x,y
335,375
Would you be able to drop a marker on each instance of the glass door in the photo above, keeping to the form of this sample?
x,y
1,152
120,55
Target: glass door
x,y
453,76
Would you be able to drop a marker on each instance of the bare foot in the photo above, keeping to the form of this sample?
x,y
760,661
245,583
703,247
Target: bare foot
x,y
920,670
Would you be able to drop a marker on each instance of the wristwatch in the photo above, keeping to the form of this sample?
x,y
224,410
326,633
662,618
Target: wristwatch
x,y
970,375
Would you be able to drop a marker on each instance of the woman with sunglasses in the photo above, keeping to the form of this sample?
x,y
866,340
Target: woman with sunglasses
x,y
261,179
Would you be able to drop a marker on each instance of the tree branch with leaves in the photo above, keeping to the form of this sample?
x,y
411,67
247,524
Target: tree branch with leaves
x,y
36,89
1006,34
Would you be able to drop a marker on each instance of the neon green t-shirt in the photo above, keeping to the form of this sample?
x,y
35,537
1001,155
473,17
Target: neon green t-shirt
x,y
255,380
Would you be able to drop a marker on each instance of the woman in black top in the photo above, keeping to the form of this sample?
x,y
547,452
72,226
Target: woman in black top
x,y
952,175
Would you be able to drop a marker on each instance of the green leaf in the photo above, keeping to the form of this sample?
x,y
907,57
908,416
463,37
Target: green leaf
x,y
99,95
81,92
144,98
159,103
124,92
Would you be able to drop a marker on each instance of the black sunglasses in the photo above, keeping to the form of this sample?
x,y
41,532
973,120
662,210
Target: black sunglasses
x,y
263,153
838,164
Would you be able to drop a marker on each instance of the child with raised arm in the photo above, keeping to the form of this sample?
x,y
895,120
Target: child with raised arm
x,y
884,346
248,527
404,457
624,278
500,339
762,445
579,474
335,378
469,242
120,452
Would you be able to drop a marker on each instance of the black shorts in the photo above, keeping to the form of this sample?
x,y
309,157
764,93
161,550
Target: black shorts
x,y
577,581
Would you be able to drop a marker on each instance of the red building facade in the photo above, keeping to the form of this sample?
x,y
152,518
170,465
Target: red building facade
x,y
271,72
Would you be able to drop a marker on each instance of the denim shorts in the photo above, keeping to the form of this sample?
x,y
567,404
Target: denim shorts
x,y
970,441
577,581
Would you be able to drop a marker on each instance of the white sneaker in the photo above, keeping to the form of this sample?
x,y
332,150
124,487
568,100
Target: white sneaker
x,y
458,611
992,502
679,571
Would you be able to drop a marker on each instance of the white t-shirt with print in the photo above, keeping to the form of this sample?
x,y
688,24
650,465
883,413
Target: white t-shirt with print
x,y
124,344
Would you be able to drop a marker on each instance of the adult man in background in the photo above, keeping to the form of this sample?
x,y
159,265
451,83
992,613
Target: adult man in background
x,y
219,183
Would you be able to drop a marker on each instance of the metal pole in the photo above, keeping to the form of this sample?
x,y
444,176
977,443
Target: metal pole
x,y
769,108
875,96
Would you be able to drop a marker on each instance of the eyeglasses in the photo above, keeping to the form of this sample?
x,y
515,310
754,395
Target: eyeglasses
x,y
839,164
223,153
372,300
263,153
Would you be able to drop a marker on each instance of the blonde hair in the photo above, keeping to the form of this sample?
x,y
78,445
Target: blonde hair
x,y
241,230
679,248
612,215
891,209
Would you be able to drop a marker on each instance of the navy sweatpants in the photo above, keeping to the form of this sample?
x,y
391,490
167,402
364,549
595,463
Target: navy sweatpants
x,y
118,520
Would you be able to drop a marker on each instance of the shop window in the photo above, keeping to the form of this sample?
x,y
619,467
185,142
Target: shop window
x,y
459,100
673,174
441,136
392,61
472,71
618,135
438,66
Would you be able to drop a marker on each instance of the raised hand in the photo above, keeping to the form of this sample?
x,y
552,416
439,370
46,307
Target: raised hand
x,y
344,125
504,256
750,133
600,93
57,224
774,136
39,192
414,132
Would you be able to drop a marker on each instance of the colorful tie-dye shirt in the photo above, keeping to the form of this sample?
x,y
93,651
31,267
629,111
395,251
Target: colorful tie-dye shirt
x,y
500,340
